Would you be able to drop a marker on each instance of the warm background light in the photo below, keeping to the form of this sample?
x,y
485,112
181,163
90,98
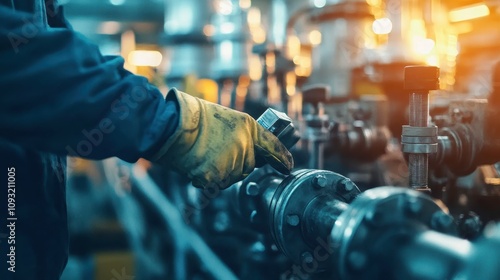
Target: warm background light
x,y
469,12
382,26
145,58
245,4
315,37
423,45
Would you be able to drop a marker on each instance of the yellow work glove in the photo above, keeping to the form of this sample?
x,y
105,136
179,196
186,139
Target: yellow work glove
x,y
217,146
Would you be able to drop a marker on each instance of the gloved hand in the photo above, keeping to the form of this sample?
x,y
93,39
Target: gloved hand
x,y
217,145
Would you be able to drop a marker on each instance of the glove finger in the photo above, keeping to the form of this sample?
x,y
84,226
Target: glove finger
x,y
232,179
270,149
208,181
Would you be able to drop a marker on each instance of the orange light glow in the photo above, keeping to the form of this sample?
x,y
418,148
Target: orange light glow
x,y
109,28
469,12
208,30
432,60
208,88
245,4
293,46
463,27
290,83
145,58
254,67
315,37
253,16
382,26
270,62
423,45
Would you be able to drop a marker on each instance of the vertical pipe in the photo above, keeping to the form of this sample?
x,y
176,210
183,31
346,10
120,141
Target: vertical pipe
x,y
316,159
419,117
419,139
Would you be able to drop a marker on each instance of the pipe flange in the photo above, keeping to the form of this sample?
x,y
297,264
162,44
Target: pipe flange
x,y
248,192
419,139
373,215
450,151
428,131
289,204
469,151
460,155
419,148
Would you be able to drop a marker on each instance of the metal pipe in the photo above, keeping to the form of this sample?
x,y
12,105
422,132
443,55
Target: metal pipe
x,y
419,139
316,159
450,257
419,109
418,164
320,216
317,122
410,254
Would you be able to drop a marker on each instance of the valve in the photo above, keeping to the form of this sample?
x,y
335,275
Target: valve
x,y
419,139
279,124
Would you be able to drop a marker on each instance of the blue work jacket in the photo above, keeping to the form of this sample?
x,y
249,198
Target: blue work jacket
x,y
59,96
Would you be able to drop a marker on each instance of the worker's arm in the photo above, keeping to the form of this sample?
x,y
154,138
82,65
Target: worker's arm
x,y
59,94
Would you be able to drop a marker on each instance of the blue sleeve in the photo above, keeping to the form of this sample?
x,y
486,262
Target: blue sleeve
x,y
59,94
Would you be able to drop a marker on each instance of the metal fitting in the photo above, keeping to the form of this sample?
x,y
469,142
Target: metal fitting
x,y
307,257
305,214
317,123
252,189
292,220
442,222
279,124
375,214
418,138
346,185
320,181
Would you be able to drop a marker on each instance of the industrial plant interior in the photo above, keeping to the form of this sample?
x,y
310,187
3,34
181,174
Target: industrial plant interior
x,y
390,109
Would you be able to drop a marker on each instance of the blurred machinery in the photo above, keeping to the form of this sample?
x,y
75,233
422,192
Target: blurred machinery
x,y
396,144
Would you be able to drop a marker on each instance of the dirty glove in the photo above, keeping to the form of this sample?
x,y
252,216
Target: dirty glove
x,y
216,146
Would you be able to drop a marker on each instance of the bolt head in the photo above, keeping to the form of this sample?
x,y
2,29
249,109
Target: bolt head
x,y
252,189
470,227
357,260
293,220
320,181
413,205
253,216
473,223
346,185
441,221
307,257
